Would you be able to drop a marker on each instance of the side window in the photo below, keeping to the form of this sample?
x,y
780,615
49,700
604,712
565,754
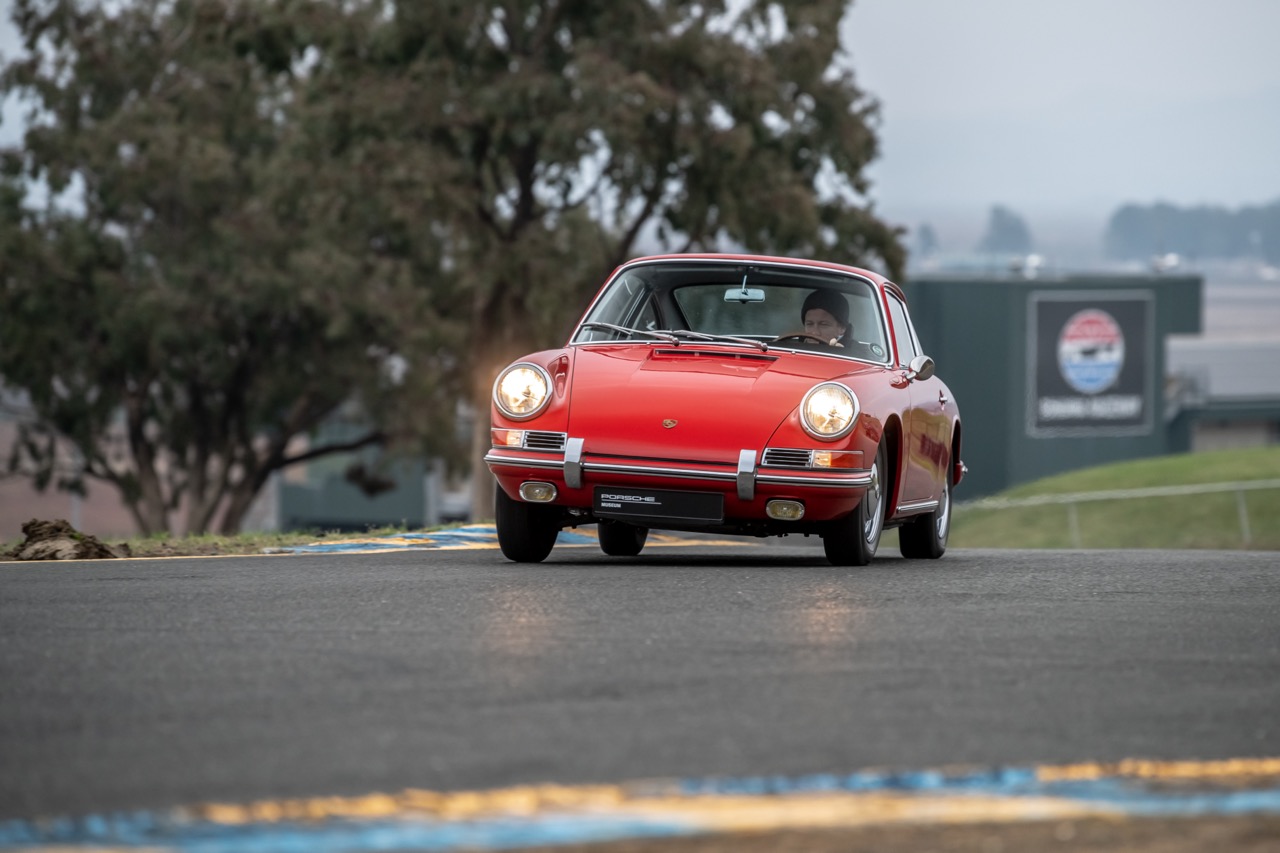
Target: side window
x,y
902,331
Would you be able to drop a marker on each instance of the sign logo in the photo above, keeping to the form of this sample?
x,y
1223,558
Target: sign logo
x,y
669,422
1091,351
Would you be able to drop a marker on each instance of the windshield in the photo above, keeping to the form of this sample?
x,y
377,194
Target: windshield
x,y
740,304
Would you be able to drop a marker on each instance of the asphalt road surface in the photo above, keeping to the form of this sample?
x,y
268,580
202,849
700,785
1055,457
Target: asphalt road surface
x,y
143,684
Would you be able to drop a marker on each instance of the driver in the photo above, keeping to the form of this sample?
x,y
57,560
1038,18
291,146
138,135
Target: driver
x,y
826,315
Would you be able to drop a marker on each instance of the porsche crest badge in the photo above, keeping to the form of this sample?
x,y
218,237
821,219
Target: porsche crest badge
x,y
668,423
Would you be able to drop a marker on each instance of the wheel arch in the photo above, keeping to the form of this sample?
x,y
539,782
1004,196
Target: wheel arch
x,y
956,461
893,451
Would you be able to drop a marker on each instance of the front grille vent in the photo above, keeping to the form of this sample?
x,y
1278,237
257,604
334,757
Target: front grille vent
x,y
781,457
544,440
687,352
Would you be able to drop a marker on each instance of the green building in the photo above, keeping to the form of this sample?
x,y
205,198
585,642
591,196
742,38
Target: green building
x,y
1056,373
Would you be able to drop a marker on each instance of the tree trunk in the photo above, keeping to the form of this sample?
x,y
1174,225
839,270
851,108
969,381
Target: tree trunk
x,y
482,482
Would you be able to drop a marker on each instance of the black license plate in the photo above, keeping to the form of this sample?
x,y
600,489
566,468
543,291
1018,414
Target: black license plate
x,y
624,501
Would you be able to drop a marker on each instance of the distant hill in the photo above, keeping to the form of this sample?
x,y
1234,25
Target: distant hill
x,y
1137,232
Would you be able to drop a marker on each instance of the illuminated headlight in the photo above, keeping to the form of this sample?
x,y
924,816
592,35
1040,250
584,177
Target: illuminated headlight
x,y
829,411
522,390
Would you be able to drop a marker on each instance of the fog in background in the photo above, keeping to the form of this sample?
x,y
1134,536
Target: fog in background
x,y
1063,110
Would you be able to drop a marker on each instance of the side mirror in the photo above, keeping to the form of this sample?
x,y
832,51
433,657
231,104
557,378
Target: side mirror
x,y
921,367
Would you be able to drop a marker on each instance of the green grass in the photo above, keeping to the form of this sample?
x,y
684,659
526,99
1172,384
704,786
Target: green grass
x,y
212,544
1187,521
1184,521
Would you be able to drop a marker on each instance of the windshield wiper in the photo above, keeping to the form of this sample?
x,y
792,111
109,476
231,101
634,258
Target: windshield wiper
x,y
701,336
662,336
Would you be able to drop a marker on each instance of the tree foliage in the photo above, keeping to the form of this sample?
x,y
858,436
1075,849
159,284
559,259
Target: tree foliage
x,y
1007,232
1138,232
174,311
282,199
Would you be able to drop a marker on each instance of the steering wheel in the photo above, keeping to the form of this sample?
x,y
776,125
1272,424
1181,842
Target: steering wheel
x,y
800,336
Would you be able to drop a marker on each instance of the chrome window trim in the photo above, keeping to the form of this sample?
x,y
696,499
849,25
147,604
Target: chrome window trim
x,y
877,290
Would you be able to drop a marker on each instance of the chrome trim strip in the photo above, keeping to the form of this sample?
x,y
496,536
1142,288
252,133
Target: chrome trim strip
x,y
492,458
573,462
690,473
918,506
575,470
746,475
819,482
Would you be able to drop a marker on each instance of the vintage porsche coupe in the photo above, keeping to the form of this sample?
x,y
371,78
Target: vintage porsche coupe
x,y
734,394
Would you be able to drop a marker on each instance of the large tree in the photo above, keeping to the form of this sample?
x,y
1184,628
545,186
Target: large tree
x,y
576,129
475,167
180,309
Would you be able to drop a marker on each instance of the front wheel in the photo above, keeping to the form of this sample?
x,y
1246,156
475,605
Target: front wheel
x,y
853,541
526,532
925,537
619,539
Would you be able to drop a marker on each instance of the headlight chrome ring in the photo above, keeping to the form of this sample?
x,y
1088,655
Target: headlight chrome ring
x,y
522,390
829,411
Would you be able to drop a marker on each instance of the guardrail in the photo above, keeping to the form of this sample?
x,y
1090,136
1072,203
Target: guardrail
x,y
1073,499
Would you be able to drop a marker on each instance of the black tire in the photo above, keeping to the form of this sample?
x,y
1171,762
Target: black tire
x,y
925,537
853,541
619,539
526,532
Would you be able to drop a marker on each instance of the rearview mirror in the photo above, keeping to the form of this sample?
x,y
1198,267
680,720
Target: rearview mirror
x,y
744,295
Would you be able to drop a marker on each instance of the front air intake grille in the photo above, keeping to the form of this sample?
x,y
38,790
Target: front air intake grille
x,y
781,457
544,440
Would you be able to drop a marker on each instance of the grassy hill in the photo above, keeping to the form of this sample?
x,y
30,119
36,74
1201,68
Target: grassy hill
x,y
1208,520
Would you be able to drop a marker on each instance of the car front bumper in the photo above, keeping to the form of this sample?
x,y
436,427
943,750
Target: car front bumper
x,y
747,486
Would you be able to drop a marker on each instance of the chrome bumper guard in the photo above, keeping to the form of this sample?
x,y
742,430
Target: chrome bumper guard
x,y
746,476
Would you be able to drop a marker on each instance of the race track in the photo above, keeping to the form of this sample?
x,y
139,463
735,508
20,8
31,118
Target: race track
x,y
136,686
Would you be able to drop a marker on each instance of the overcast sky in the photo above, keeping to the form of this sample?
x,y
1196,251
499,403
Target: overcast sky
x,y
1062,106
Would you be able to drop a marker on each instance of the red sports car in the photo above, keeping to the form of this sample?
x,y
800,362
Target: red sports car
x,y
735,394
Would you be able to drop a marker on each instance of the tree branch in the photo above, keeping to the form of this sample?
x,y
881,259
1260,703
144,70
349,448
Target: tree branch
x,y
374,437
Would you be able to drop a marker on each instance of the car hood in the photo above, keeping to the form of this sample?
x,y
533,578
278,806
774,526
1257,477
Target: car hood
x,y
690,403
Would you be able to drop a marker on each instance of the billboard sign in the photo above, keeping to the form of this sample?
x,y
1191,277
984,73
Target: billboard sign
x,y
1090,363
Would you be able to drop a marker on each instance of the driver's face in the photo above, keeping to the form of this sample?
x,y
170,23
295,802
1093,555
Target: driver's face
x,y
820,323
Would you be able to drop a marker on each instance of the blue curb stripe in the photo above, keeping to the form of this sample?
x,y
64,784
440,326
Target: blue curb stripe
x,y
332,836
665,808
471,536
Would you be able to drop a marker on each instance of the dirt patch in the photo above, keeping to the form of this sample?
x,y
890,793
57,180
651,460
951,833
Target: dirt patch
x,y
58,540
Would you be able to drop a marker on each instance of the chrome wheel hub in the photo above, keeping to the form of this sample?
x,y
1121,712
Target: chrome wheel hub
x,y
872,499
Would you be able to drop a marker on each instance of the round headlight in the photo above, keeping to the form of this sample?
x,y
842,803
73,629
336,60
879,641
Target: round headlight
x,y
829,411
522,390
